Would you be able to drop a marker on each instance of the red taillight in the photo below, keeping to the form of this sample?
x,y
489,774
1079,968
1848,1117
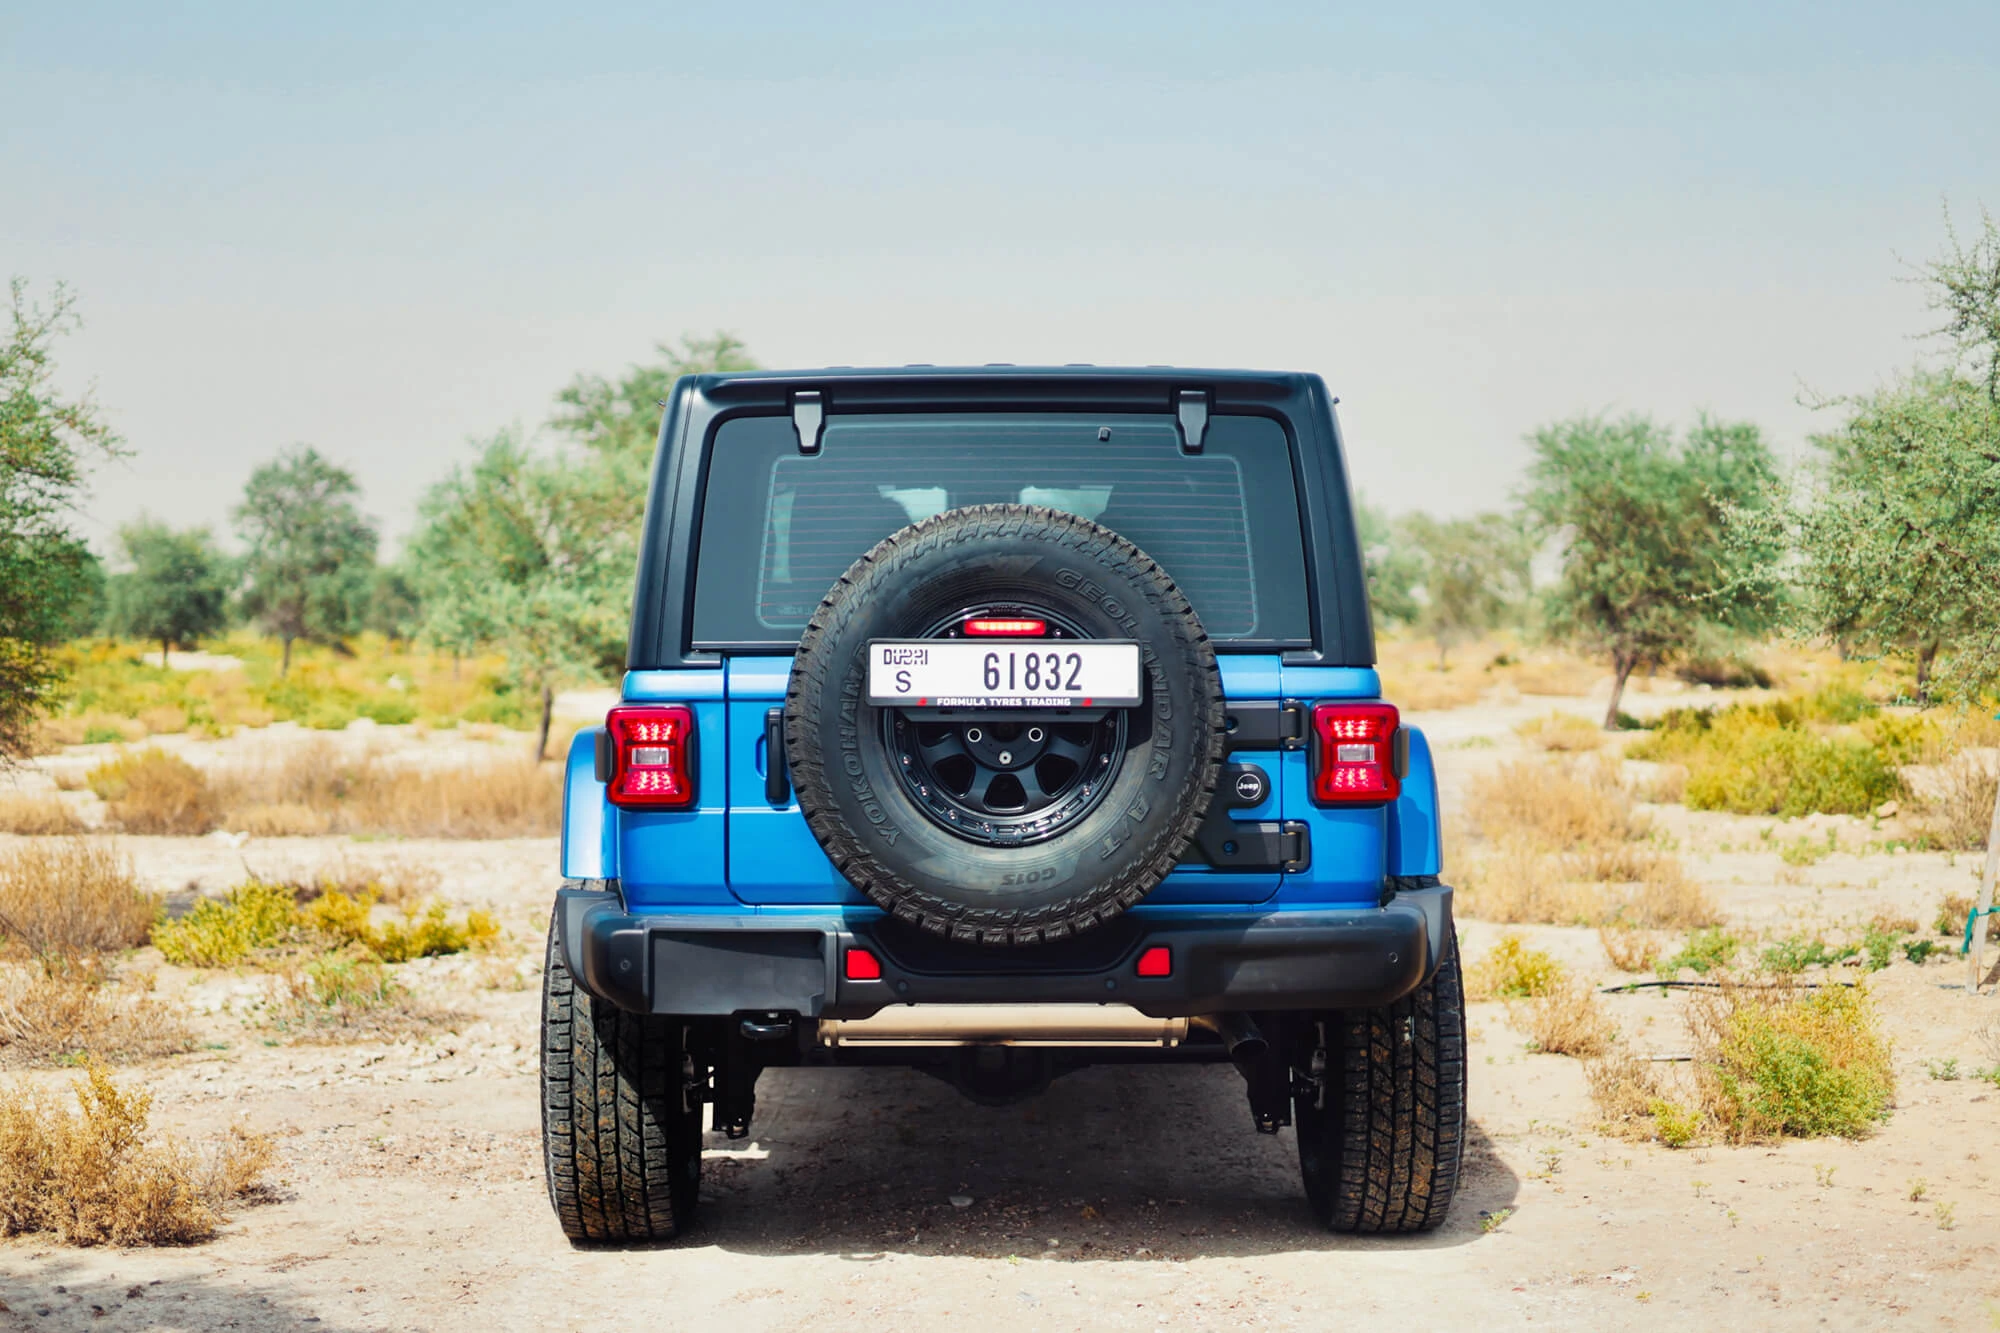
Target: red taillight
x,y
997,625
652,756
1157,961
1354,753
863,966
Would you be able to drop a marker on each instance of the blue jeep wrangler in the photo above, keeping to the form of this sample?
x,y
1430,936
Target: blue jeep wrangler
x,y
997,722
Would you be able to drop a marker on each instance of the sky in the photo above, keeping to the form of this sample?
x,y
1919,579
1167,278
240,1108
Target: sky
x,y
388,230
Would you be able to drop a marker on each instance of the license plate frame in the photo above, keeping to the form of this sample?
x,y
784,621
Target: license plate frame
x,y
954,673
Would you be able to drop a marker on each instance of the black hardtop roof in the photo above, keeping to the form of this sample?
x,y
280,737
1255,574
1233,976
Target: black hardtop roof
x,y
699,403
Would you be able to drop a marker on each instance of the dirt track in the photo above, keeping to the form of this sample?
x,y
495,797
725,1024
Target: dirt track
x,y
411,1192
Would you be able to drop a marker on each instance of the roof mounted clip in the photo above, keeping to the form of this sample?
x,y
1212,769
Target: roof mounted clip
x,y
1191,407
808,416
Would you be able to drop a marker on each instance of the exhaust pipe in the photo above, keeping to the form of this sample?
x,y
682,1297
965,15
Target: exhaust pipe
x,y
1240,1037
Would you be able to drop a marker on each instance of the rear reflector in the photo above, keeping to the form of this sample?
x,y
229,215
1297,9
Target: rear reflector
x,y
1157,961
863,966
652,756
994,625
1353,753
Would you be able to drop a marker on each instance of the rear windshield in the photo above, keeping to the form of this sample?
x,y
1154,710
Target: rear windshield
x,y
778,526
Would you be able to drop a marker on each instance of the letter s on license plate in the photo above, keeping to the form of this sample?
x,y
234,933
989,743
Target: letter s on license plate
x,y
1003,673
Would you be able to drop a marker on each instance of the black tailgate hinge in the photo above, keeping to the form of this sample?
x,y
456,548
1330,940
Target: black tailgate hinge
x,y
1264,724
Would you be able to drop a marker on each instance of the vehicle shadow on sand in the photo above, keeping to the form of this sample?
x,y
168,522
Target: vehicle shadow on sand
x,y
47,1288
1114,1162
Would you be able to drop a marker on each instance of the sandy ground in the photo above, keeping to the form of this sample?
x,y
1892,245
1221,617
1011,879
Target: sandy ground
x,y
411,1193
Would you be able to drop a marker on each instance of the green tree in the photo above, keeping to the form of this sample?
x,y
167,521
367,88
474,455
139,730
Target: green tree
x,y
1898,529
1471,573
527,553
176,589
310,551
621,419
1392,569
1964,286
46,441
1649,574
395,609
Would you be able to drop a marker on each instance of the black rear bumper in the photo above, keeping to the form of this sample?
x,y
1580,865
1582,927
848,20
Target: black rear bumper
x,y
702,964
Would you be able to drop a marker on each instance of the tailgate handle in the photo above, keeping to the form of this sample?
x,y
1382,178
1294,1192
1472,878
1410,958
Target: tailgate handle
x,y
777,776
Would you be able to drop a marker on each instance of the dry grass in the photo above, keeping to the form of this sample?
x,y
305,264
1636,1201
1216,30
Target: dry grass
x,y
1628,949
1769,1063
316,789
1557,674
1564,732
1956,809
53,1011
37,816
70,897
1563,847
1567,1020
96,1176
1954,910
1667,786
151,791
1557,805
280,819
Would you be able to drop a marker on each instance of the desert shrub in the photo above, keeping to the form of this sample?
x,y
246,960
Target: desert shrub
x,y
1566,1019
258,916
1561,732
1954,909
1766,759
1956,809
1556,805
426,934
72,897
1724,673
1705,951
1667,785
1796,953
37,816
340,996
220,932
1512,970
1766,1064
57,1009
1565,851
151,791
96,1176
1628,949
1799,1063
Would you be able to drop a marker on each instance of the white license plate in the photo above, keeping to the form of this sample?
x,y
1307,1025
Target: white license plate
x,y
1003,673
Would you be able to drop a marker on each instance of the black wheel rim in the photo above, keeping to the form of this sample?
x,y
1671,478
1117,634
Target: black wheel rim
x,y
1005,780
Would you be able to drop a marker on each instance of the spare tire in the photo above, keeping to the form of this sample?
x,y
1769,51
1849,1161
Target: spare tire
x,y
995,827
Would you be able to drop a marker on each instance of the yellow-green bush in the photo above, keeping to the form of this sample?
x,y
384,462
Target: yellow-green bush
x,y
1805,1064
114,692
255,916
1514,971
221,932
1775,758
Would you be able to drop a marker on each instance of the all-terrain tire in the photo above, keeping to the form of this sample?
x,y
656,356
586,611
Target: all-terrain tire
x,y
620,1145
851,788
1383,1151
